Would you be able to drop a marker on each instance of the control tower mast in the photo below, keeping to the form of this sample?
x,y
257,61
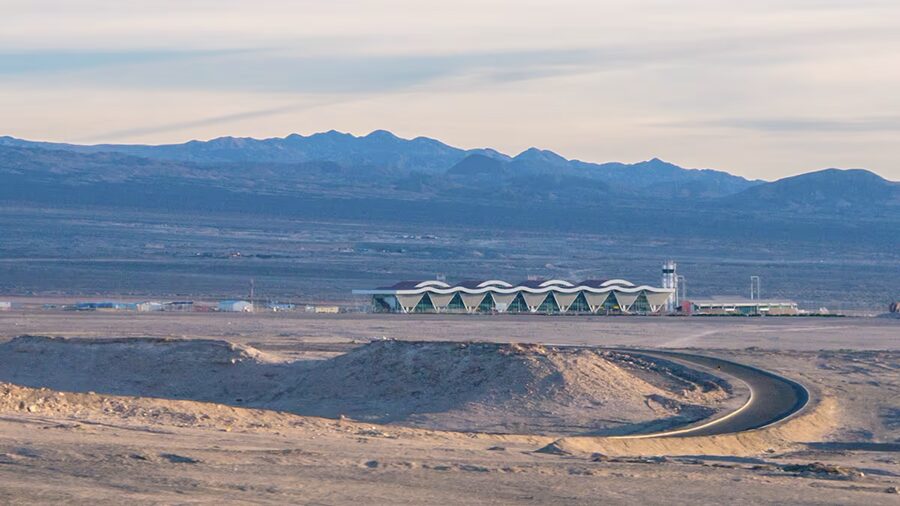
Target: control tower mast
x,y
670,281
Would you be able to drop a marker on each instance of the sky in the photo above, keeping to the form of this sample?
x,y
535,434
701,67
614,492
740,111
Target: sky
x,y
761,88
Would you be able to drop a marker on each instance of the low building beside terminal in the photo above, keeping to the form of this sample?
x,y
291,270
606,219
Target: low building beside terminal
x,y
181,306
327,309
150,306
310,308
104,306
613,296
737,305
235,306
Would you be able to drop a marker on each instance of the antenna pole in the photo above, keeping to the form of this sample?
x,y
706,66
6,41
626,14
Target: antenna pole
x,y
754,288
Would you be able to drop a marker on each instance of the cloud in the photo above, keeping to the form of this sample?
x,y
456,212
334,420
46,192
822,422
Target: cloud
x,y
24,63
797,124
306,66
262,70
222,119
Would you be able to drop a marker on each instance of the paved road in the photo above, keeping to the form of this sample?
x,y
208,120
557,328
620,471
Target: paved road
x,y
772,397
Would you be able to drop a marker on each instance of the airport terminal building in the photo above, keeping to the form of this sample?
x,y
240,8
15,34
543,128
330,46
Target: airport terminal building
x,y
554,296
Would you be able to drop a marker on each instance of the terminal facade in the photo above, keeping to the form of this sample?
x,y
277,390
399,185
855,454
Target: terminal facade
x,y
554,296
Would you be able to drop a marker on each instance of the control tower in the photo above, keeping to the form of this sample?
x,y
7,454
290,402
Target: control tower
x,y
670,281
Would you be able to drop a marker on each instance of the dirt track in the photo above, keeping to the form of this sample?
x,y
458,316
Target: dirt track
x,y
773,398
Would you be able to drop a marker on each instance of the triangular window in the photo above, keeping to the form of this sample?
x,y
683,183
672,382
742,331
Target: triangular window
x,y
424,305
549,305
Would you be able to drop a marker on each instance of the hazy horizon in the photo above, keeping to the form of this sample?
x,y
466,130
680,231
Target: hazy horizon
x,y
764,91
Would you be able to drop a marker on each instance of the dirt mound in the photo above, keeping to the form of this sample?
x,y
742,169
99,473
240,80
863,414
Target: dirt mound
x,y
495,388
503,388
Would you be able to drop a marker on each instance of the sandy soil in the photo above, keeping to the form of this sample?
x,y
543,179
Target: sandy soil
x,y
96,447
280,332
483,387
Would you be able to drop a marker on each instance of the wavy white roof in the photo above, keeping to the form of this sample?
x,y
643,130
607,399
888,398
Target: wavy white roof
x,y
502,287
617,282
494,282
558,282
435,283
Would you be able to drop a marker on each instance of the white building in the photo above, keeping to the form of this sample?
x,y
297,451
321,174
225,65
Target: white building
x,y
592,296
235,306
5,306
149,306
737,305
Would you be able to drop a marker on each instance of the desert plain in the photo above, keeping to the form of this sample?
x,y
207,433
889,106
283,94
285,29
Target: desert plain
x,y
112,408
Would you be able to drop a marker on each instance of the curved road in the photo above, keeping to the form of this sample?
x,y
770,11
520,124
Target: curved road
x,y
773,398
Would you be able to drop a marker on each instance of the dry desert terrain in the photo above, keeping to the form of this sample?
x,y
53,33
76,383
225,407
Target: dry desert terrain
x,y
106,408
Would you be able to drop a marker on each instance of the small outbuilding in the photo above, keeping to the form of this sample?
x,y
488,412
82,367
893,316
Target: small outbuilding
x,y
149,306
105,306
235,306
181,306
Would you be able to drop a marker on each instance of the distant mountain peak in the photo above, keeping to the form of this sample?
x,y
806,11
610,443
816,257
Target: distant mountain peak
x,y
540,155
381,134
478,164
331,134
491,153
656,162
532,152
843,173
835,188
428,140
218,143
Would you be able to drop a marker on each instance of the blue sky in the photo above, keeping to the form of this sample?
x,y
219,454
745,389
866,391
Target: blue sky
x,y
765,90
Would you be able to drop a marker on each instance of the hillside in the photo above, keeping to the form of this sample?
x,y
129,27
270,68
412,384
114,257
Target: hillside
x,y
478,165
826,191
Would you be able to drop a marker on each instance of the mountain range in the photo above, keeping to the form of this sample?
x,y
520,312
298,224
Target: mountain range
x,y
383,151
377,149
292,172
